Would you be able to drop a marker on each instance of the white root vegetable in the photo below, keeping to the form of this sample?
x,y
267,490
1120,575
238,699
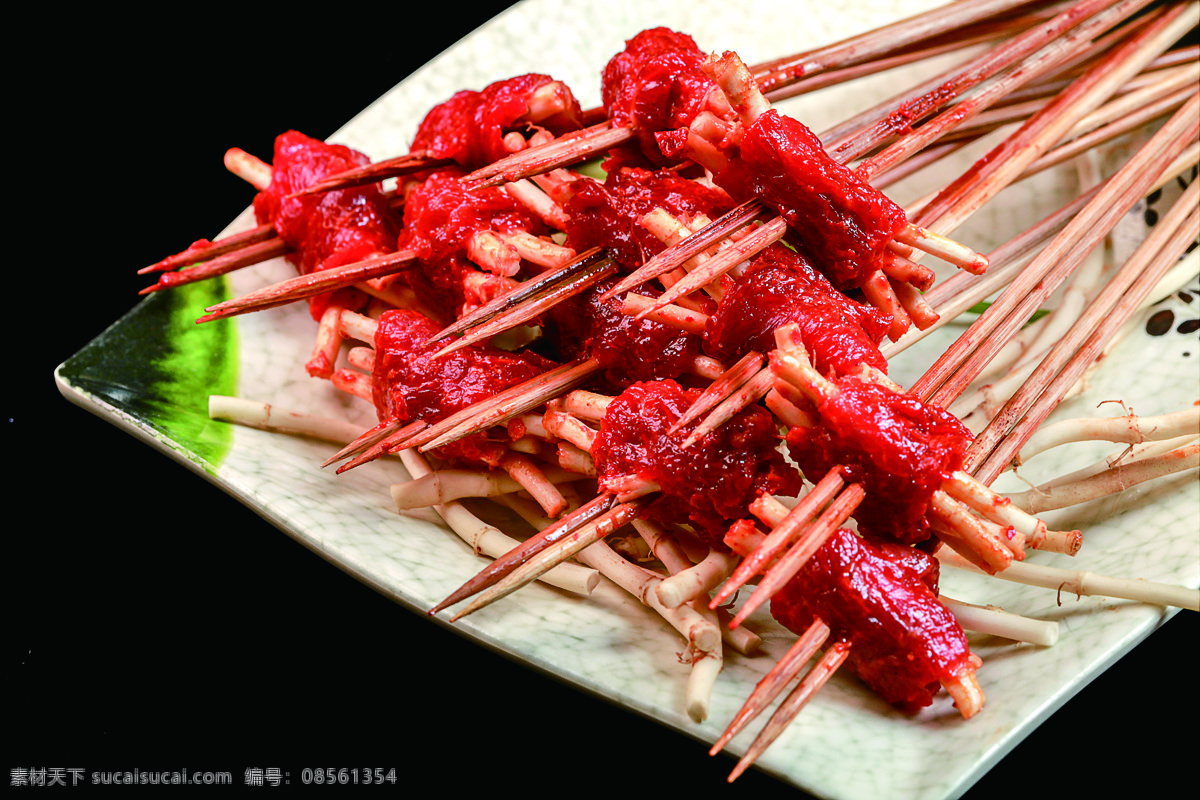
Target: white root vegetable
x,y
998,622
1105,478
697,580
483,538
443,485
267,417
1129,429
490,541
699,626
1084,583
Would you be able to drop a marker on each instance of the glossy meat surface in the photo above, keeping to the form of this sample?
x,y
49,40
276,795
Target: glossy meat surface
x,y
440,217
629,349
709,483
780,288
843,222
470,127
882,600
606,214
899,448
409,384
330,229
653,85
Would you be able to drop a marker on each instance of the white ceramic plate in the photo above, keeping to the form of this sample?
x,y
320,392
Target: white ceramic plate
x,y
849,745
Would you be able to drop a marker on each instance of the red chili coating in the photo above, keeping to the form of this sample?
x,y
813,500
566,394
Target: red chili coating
x,y
330,229
607,214
654,85
709,483
629,349
843,221
409,384
882,600
781,287
470,127
439,219
899,448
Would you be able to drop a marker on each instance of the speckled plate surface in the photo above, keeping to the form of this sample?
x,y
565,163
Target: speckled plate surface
x,y
850,745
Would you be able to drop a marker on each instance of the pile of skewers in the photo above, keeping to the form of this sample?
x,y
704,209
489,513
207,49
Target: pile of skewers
x,y
787,377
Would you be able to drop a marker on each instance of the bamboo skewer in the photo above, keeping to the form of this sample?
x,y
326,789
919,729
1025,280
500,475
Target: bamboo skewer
x,y
961,292
913,51
330,277
941,383
996,462
920,28
793,704
312,284
1051,124
533,307
1034,53
521,293
1119,298
567,546
958,119
245,255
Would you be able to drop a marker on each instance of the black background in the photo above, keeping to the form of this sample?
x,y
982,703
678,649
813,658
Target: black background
x,y
137,642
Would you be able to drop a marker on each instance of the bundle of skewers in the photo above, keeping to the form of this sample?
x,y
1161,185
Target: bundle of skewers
x,y
660,331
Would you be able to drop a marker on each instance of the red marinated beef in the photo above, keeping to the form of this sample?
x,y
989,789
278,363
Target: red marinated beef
x,y
330,229
881,599
409,384
843,222
607,214
653,85
709,483
629,349
899,448
439,219
780,288
470,127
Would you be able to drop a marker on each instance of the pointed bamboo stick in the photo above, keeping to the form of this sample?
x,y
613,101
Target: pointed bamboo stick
x,y
554,554
416,161
505,404
521,293
304,286
963,361
1030,55
805,544
534,306
503,565
775,681
793,704
1123,293
207,250
245,256
735,377
783,531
